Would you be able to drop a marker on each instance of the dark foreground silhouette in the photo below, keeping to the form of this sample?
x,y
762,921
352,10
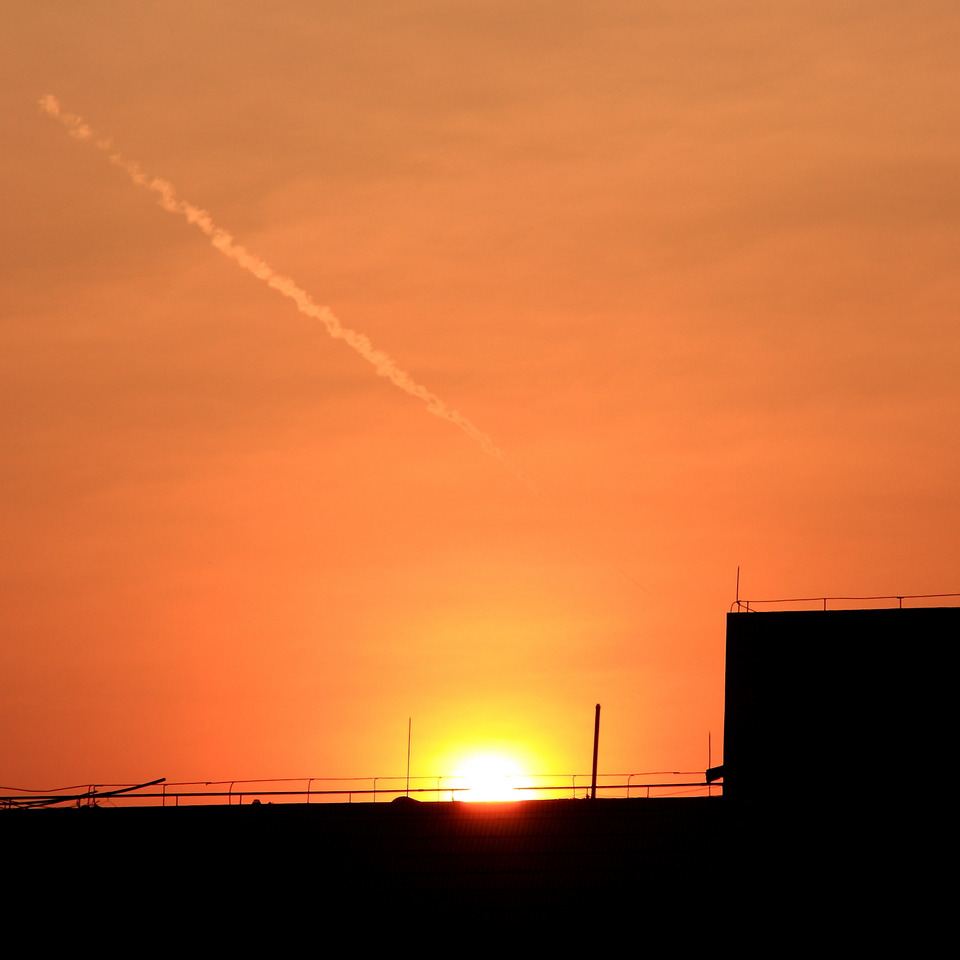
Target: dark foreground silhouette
x,y
665,867
821,836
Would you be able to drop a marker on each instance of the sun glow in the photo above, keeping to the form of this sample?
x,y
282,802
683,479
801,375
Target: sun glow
x,y
491,777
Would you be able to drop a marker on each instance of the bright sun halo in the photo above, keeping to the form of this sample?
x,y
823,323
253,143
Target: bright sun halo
x,y
491,777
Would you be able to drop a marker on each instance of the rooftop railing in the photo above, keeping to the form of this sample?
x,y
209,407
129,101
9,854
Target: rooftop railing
x,y
362,789
884,602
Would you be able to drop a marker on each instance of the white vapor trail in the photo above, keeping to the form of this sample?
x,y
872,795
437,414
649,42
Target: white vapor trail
x,y
385,365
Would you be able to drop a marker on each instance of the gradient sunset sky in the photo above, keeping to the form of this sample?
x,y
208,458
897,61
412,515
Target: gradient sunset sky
x,y
692,266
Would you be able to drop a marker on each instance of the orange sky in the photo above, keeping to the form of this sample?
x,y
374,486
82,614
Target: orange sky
x,y
692,266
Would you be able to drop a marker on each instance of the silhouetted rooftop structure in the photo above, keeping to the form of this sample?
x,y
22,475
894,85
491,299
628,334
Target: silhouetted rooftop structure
x,y
823,701
816,703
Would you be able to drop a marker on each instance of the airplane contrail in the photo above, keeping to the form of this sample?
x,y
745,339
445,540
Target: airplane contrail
x,y
384,364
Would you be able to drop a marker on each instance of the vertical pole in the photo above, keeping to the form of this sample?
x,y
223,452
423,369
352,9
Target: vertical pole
x,y
596,749
409,730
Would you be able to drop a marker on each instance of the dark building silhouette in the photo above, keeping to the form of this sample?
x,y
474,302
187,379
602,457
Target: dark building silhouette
x,y
828,702
823,710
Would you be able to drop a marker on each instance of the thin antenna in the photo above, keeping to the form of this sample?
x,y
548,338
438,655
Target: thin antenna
x,y
409,731
596,748
738,589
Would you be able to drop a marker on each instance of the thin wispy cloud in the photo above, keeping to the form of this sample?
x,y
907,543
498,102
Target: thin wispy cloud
x,y
384,364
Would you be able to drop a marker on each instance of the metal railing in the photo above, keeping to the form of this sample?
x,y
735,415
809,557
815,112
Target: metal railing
x,y
749,606
359,789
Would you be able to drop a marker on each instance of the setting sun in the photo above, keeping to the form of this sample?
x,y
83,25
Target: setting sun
x,y
490,777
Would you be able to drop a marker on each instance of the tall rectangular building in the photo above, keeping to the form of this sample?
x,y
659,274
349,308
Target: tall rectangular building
x,y
828,703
